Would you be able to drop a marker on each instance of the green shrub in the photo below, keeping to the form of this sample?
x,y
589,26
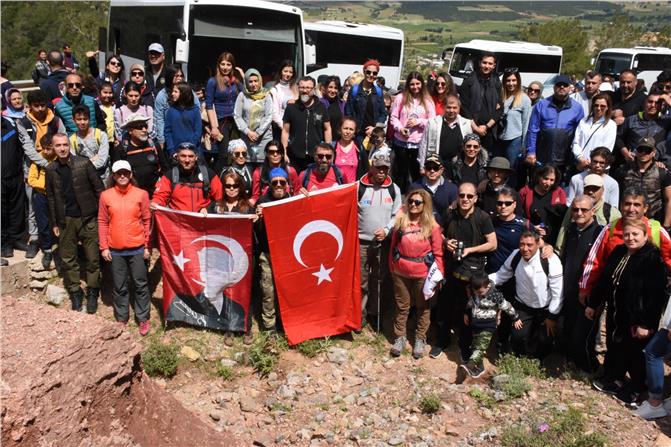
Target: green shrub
x,y
520,366
160,359
311,348
265,352
485,398
225,372
516,386
429,403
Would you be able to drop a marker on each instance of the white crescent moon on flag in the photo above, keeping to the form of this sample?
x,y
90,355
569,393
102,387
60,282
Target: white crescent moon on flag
x,y
220,269
316,226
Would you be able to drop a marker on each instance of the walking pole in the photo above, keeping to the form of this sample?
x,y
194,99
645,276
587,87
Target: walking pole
x,y
378,249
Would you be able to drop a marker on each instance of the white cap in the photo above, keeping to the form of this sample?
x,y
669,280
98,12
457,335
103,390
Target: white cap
x,y
156,47
121,165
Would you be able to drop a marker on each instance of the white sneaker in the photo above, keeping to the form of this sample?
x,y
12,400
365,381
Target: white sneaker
x,y
667,404
647,411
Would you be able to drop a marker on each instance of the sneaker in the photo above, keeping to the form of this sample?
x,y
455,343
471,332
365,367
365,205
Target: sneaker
x,y
647,411
606,385
144,327
476,369
248,338
228,338
47,257
32,251
436,351
629,398
21,246
418,349
667,404
397,348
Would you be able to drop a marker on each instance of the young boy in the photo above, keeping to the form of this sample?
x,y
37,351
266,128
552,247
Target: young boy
x,y
376,143
484,302
37,179
90,143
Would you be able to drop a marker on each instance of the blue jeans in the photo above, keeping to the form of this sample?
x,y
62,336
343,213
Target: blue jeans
x,y
41,207
510,149
655,351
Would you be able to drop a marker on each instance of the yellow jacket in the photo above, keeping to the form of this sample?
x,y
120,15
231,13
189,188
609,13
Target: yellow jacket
x,y
37,178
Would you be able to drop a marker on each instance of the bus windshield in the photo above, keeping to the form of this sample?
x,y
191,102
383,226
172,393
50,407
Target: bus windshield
x,y
258,38
465,61
612,63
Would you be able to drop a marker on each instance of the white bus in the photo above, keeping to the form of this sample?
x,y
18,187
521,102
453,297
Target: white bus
x,y
647,62
260,34
341,48
535,62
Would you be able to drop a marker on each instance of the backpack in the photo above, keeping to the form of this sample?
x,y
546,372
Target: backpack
x,y
75,145
508,288
174,178
310,168
655,227
378,90
363,187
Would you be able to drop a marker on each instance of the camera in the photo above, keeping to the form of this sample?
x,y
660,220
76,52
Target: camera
x,y
460,250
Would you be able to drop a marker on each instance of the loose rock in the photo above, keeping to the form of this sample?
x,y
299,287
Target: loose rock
x,y
190,353
337,355
56,295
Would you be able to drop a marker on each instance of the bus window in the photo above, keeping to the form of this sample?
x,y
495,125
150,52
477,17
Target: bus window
x,y
652,62
464,61
353,49
128,23
613,63
528,63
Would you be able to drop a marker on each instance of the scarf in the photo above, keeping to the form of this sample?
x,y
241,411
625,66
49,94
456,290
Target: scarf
x,y
257,109
11,112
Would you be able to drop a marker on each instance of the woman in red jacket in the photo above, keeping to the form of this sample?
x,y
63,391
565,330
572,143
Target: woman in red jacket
x,y
416,243
123,230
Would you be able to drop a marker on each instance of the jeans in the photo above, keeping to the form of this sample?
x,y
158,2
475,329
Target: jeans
x,y
655,351
41,208
510,149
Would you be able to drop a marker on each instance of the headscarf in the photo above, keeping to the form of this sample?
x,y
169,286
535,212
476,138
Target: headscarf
x,y
472,136
11,112
257,110
278,172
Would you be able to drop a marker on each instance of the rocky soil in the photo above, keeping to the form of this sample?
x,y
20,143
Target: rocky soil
x,y
77,378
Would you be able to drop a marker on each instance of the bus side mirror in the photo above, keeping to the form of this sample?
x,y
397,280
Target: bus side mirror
x,y
182,51
310,54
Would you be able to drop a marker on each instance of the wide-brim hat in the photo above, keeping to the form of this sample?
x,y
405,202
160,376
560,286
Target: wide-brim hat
x,y
499,163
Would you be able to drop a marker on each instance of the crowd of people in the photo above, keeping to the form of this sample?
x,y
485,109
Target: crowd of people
x,y
495,213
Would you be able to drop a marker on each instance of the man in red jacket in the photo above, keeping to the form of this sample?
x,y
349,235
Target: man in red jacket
x,y
190,186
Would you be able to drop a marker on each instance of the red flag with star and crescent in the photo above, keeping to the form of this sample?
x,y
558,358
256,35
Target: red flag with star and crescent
x,y
207,268
314,252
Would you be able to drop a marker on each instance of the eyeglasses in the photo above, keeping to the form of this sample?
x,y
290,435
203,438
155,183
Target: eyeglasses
x,y
463,195
115,63
136,73
74,85
122,173
273,152
239,154
231,186
471,146
504,202
415,202
533,90
324,156
370,73
279,183
510,70
580,210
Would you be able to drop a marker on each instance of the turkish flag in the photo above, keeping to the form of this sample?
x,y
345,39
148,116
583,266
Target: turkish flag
x,y
314,252
207,268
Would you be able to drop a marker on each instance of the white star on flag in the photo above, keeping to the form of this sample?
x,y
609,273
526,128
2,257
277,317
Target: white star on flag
x,y
323,274
180,260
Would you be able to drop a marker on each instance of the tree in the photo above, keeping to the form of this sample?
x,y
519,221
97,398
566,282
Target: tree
x,y
566,33
618,33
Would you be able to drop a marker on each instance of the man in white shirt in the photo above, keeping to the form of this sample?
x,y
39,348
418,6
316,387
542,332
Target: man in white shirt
x,y
538,295
592,83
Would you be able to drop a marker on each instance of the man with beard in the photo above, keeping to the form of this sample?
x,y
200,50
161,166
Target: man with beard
x,y
648,123
189,186
73,96
480,95
584,98
278,190
627,100
146,161
155,71
322,173
306,124
552,127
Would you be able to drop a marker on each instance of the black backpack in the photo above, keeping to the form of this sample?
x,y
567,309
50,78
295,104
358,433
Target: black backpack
x,y
363,187
310,168
174,178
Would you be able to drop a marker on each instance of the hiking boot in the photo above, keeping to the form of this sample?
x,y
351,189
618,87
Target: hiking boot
x,y
7,252
418,349
21,246
247,338
92,294
606,385
32,250
228,338
77,297
436,351
397,348
144,327
47,256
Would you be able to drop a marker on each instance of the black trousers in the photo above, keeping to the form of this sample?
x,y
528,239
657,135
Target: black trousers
x,y
229,131
405,165
624,354
578,337
13,213
450,308
121,267
532,339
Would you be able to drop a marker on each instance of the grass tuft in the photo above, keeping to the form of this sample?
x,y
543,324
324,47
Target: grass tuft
x,y
311,348
429,403
160,359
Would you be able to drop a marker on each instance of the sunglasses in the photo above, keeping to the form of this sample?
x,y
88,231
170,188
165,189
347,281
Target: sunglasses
x,y
600,106
122,173
136,73
463,195
415,202
442,84
433,168
324,156
370,73
279,183
115,63
534,90
472,146
140,126
504,202
231,186
580,210
273,152
644,150
74,85
239,154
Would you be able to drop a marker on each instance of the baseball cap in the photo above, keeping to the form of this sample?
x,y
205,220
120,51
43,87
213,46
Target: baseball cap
x,y
134,119
156,47
646,142
433,159
562,79
121,165
593,180
605,87
380,159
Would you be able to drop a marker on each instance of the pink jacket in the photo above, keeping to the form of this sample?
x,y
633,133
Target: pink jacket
x,y
413,245
400,115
